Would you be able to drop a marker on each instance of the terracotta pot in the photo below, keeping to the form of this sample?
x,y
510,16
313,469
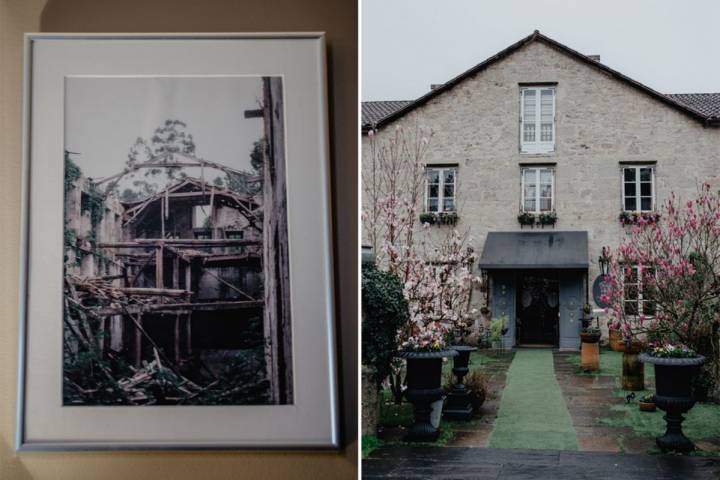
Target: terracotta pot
x,y
590,355
646,406
615,340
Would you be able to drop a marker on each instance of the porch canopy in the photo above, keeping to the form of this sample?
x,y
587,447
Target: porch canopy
x,y
527,250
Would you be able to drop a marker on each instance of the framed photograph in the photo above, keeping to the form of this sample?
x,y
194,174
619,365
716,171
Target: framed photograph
x,y
177,259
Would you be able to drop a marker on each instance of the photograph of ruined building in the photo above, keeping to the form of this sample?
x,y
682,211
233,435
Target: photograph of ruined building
x,y
176,288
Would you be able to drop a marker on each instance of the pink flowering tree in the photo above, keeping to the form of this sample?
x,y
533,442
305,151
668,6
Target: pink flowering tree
x,y
434,264
664,278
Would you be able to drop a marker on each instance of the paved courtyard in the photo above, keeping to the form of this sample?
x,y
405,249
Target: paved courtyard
x,y
542,407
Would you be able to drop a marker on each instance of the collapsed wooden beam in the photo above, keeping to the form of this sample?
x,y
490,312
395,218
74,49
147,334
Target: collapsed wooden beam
x,y
174,307
168,292
190,242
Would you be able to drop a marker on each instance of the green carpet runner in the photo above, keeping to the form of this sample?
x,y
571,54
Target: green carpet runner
x,y
532,411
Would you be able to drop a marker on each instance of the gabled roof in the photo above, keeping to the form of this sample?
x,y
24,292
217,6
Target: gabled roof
x,y
702,110
372,112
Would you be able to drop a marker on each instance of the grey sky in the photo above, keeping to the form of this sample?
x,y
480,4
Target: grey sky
x,y
670,45
104,117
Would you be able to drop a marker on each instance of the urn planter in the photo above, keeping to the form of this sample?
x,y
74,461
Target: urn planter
x,y
458,405
424,387
590,351
673,394
633,371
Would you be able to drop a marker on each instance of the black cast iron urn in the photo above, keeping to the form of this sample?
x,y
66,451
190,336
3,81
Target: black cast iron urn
x,y
458,405
424,387
673,381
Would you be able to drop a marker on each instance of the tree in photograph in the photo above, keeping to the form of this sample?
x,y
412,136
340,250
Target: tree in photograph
x,y
250,182
664,278
170,138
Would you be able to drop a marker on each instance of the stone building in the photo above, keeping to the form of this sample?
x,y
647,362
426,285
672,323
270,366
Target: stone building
x,y
540,150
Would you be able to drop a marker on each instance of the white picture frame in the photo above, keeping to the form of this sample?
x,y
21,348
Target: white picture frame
x,y
311,420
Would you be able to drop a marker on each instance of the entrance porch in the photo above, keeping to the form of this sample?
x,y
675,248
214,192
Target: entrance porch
x,y
538,285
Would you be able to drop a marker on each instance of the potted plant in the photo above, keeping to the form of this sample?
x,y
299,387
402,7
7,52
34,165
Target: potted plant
x,y
458,405
424,345
633,371
498,329
476,386
547,218
447,218
427,217
647,403
526,218
675,367
590,348
641,218
439,218
615,338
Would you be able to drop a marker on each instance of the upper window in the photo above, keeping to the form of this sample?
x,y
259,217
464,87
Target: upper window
x,y
638,188
441,189
537,119
538,186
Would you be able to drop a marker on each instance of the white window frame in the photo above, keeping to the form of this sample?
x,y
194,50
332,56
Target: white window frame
x,y
637,196
537,146
641,300
537,169
441,188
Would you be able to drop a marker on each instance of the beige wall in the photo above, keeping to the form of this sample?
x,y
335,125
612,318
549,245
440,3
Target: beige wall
x,y
339,20
600,122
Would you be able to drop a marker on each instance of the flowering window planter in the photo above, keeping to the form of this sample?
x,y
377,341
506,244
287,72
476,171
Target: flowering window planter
x,y
638,218
541,219
439,218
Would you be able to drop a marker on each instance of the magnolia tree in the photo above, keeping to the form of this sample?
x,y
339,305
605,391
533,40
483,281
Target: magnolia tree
x,y
664,279
435,269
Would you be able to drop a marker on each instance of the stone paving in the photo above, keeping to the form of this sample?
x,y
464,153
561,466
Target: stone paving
x,y
588,398
609,450
501,464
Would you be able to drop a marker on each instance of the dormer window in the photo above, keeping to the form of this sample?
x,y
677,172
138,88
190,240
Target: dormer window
x,y
537,119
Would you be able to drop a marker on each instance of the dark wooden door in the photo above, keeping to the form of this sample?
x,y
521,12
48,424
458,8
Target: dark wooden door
x,y
537,308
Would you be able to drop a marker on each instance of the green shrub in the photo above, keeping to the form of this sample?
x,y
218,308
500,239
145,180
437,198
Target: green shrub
x,y
384,311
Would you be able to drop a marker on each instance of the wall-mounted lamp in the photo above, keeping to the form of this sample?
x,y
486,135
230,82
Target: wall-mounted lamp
x,y
604,262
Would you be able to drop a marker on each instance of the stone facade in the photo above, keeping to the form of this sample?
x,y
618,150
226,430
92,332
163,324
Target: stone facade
x,y
600,122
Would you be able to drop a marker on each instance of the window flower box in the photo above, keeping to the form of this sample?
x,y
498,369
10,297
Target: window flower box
x,y
547,218
439,218
638,218
526,218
